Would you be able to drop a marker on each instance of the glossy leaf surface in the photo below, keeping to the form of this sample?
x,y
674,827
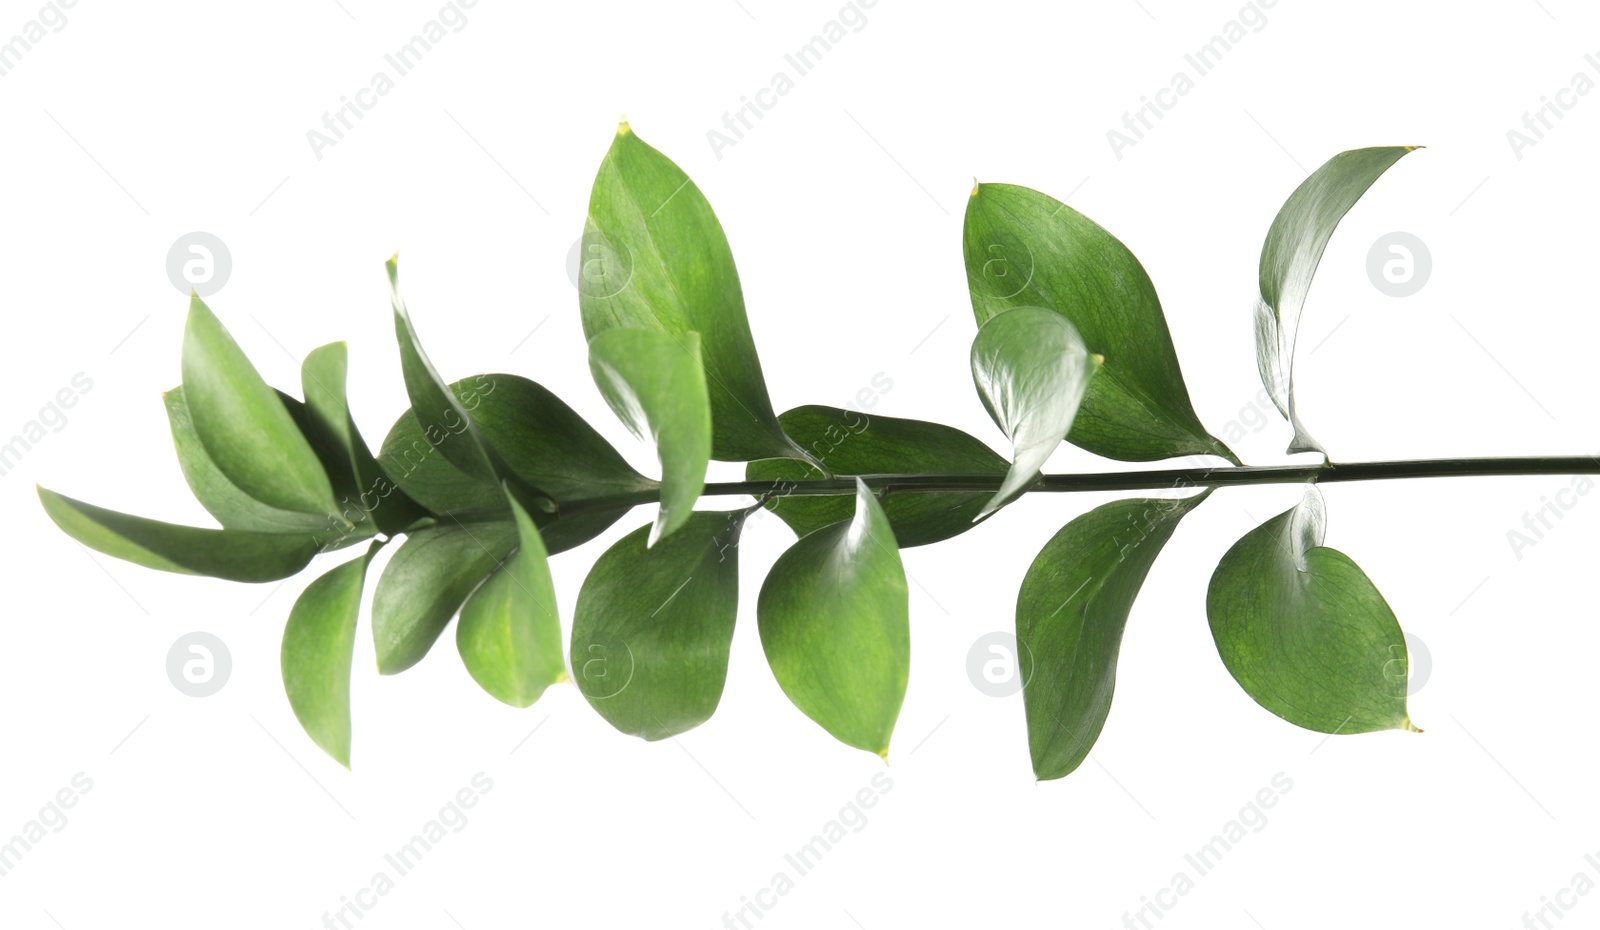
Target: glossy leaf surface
x,y
1026,249
1071,613
1031,370
654,257
318,648
654,624
834,618
427,580
509,634
235,555
242,424
654,383
1305,632
852,443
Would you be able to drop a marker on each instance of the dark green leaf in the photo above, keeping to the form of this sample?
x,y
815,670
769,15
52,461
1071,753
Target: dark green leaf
x,y
443,418
1289,260
509,635
1031,370
542,439
656,386
1071,613
243,425
835,625
653,626
318,648
1024,249
1304,630
427,580
233,508
375,494
654,257
851,443
236,555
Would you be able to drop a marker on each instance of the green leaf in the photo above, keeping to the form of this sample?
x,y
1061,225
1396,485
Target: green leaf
x,y
1031,370
1289,259
441,415
318,648
236,555
653,626
1304,631
375,494
427,580
835,624
654,257
852,443
509,635
1024,249
540,438
656,386
233,508
243,425
1071,612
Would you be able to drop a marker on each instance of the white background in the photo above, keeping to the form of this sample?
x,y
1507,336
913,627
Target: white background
x,y
129,128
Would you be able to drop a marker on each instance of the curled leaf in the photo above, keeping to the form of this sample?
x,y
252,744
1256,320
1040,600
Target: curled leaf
x,y
654,383
1289,259
1031,370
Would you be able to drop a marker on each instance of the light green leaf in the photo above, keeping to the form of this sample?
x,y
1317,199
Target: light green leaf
x,y
656,386
1071,612
1305,632
540,438
233,508
852,443
653,626
509,635
318,648
1024,249
244,427
441,415
236,555
1289,260
835,624
427,580
1031,370
654,257
374,494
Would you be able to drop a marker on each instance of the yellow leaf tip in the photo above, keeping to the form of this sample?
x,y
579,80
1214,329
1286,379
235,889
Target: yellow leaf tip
x,y
562,678
975,186
1413,148
1409,727
622,125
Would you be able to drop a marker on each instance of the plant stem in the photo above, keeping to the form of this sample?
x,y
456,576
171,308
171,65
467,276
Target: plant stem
x,y
1206,477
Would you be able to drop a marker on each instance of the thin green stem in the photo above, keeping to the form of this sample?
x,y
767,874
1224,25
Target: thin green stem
x,y
1153,479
